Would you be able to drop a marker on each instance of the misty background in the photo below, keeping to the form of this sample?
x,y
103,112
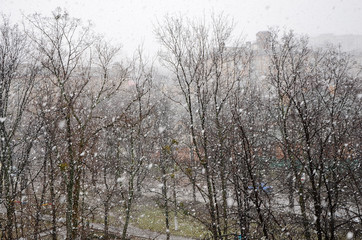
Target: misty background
x,y
131,22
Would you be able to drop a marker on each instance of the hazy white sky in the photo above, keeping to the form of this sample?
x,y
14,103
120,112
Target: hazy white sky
x,y
130,22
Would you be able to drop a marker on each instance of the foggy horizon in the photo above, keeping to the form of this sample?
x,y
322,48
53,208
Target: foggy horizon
x,y
131,23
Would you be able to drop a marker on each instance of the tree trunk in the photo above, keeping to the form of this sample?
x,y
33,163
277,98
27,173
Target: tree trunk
x,y
52,191
76,195
175,202
106,214
165,199
290,191
128,206
10,218
305,220
70,183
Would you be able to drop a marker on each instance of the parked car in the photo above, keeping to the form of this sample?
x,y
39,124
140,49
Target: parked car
x,y
262,187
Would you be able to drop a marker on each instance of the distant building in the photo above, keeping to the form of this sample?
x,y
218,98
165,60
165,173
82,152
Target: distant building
x,y
262,39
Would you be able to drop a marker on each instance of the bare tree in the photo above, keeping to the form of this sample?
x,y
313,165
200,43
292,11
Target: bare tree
x,y
206,72
65,49
288,62
316,96
133,142
17,75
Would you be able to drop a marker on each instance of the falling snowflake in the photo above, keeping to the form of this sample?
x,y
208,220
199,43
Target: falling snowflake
x,y
61,124
349,235
161,129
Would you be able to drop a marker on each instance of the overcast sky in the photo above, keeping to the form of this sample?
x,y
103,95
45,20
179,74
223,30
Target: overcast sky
x,y
130,22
